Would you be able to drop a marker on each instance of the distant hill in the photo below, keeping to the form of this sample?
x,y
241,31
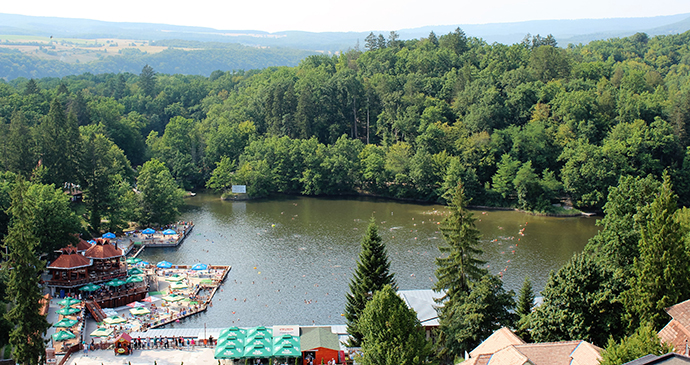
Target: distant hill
x,y
199,50
565,31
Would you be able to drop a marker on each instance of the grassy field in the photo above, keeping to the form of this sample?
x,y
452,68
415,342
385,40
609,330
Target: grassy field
x,y
73,50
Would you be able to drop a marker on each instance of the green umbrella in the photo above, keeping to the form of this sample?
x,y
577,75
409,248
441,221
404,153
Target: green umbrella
x,y
135,271
90,287
257,351
67,311
286,350
139,311
173,298
231,340
63,336
179,285
66,322
133,260
115,282
135,279
114,320
233,331
267,332
286,340
102,332
228,352
69,301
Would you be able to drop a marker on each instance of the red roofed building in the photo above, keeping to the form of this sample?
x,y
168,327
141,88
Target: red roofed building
x,y
69,270
677,331
503,347
99,263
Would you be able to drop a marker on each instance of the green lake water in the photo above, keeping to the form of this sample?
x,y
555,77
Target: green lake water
x,y
293,257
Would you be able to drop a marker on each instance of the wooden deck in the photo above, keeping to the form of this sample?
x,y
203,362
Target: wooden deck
x,y
204,306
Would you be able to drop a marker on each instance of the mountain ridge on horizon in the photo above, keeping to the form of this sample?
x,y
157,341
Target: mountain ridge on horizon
x,y
564,30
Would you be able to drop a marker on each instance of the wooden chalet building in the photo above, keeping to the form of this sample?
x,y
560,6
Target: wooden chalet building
x,y
99,263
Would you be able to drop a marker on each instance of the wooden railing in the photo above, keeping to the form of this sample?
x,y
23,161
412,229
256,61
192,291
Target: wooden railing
x,y
95,310
69,353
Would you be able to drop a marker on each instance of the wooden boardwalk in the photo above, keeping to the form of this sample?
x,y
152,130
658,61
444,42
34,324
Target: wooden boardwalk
x,y
204,306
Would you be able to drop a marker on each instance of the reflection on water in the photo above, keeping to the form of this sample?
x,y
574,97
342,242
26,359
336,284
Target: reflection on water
x,y
293,257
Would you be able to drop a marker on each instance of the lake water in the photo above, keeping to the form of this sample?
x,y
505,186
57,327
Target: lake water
x,y
293,257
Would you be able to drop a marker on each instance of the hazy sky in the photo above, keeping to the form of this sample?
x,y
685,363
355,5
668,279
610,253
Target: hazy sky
x,y
344,15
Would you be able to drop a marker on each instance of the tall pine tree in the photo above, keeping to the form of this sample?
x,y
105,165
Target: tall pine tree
x,y
462,265
372,274
661,272
23,292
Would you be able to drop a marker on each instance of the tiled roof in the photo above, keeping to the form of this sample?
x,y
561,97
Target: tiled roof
x,y
681,313
103,249
69,259
503,347
549,353
676,335
82,245
498,340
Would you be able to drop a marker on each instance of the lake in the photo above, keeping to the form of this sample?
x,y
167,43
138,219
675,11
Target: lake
x,y
293,257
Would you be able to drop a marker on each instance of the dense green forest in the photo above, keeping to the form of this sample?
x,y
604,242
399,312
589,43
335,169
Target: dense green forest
x,y
521,125
203,61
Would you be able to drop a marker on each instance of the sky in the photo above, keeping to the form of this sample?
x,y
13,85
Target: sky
x,y
340,16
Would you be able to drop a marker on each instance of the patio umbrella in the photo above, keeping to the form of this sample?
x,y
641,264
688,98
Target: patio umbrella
x,y
148,231
267,332
228,352
67,311
109,235
179,285
164,265
63,336
257,351
102,332
174,278
136,305
286,350
114,320
139,311
199,267
135,271
90,287
133,260
69,301
150,299
92,242
286,340
233,331
169,232
142,263
173,298
66,322
135,279
116,282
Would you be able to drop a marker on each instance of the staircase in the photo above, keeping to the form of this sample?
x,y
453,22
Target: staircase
x,y
95,310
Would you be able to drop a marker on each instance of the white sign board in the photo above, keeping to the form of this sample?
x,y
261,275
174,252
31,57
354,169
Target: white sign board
x,y
285,330
239,189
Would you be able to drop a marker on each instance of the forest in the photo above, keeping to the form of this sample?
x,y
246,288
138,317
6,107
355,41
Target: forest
x,y
447,118
526,125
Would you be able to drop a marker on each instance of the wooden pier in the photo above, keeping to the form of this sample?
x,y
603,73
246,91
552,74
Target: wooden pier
x,y
204,306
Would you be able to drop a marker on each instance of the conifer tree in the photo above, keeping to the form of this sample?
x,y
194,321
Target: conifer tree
x,y
392,333
661,272
524,307
372,274
23,269
461,266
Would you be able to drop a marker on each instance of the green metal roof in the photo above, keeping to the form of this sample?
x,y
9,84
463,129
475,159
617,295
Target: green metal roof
x,y
315,337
